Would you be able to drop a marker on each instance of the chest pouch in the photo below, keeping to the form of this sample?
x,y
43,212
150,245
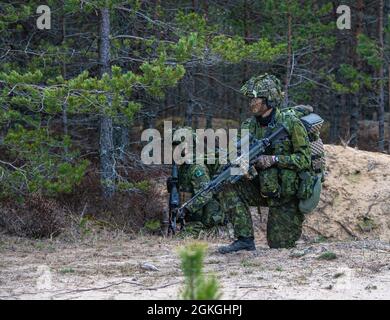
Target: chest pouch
x,y
289,182
269,183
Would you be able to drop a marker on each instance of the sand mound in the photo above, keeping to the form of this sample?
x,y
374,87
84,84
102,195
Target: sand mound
x,y
355,201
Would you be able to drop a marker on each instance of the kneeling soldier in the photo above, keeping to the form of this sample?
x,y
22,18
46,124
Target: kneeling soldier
x,y
276,184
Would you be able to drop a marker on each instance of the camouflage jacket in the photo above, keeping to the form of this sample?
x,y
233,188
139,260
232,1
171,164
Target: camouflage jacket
x,y
293,153
192,178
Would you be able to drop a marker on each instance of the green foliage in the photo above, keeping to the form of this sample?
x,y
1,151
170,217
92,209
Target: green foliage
x,y
153,225
234,49
197,286
328,255
48,164
320,239
369,50
157,75
84,226
12,14
353,80
143,186
67,270
190,22
46,73
187,46
45,168
367,224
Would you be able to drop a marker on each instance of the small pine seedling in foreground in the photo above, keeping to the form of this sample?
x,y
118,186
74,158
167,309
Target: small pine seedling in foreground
x,y
197,286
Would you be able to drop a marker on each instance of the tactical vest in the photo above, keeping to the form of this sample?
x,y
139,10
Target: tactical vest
x,y
305,185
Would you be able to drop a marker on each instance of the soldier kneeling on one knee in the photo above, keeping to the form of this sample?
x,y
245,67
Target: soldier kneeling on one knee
x,y
277,180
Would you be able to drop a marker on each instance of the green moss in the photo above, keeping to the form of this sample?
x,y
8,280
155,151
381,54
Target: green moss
x,y
67,270
328,255
367,224
152,225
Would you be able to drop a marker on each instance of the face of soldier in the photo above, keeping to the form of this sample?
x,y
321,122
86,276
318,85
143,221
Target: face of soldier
x,y
258,106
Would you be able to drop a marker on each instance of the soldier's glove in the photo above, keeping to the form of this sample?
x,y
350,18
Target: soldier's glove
x,y
251,173
264,161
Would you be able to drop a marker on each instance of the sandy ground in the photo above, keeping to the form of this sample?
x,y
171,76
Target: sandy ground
x,y
102,269
353,217
355,200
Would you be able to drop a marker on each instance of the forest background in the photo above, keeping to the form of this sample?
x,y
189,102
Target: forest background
x,y
75,97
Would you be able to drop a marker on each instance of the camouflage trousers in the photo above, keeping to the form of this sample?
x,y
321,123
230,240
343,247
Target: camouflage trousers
x,y
210,215
284,226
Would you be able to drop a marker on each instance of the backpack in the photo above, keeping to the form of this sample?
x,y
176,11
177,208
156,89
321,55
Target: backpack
x,y
313,124
310,186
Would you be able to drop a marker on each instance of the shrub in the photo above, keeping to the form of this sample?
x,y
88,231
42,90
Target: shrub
x,y
197,286
34,216
329,255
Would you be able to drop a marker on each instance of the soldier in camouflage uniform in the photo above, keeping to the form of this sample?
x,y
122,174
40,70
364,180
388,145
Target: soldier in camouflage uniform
x,y
277,181
192,178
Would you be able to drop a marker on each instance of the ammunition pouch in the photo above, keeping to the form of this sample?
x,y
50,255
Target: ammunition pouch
x,y
306,184
309,191
289,182
212,214
269,183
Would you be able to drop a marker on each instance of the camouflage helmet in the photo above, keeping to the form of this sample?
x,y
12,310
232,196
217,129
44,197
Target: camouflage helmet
x,y
265,85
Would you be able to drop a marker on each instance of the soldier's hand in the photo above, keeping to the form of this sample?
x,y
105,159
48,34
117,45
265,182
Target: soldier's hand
x,y
265,161
248,176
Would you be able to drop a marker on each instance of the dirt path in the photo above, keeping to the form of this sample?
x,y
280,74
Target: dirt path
x,y
104,269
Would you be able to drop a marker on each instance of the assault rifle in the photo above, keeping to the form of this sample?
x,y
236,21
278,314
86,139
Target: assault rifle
x,y
256,148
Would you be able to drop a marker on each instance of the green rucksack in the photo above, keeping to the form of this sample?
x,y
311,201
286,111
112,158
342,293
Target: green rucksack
x,y
310,185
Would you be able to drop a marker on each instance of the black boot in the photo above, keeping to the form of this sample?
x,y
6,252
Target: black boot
x,y
242,243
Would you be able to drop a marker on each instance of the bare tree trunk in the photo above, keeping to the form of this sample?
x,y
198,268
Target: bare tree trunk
x,y
195,5
195,121
206,9
388,119
335,110
385,43
107,159
381,107
354,98
64,105
188,113
289,55
189,89
209,121
242,106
